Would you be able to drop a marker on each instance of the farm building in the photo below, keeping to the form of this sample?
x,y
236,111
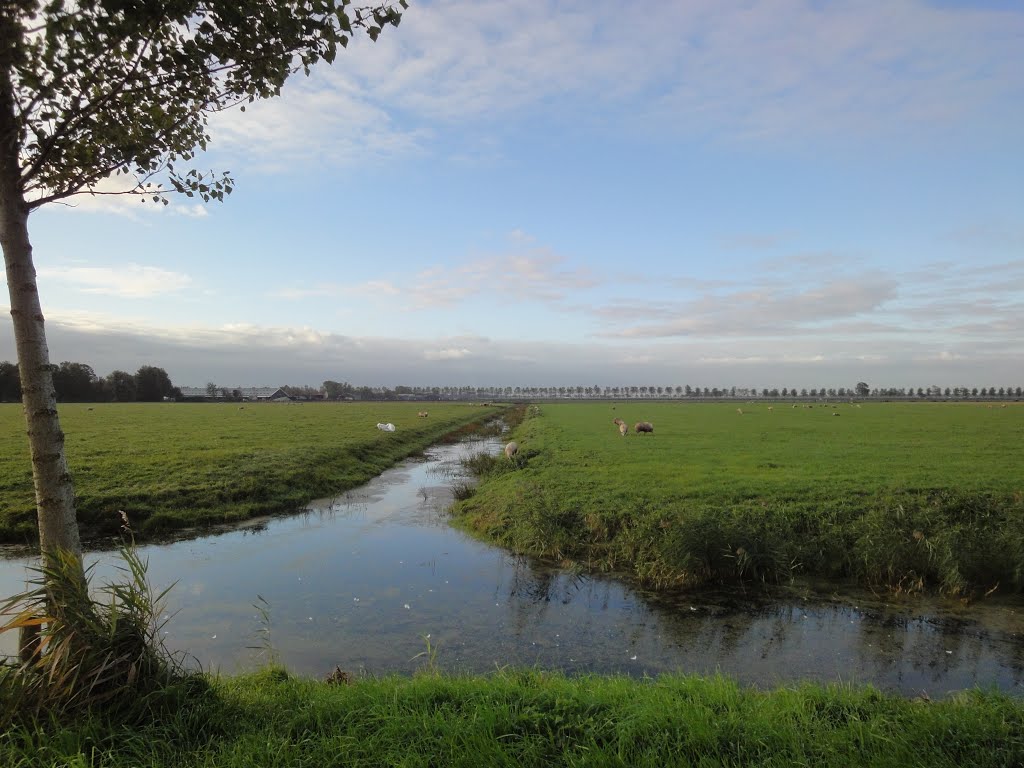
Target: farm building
x,y
265,394
262,394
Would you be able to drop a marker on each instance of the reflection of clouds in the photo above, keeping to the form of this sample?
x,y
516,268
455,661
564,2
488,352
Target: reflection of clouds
x,y
483,606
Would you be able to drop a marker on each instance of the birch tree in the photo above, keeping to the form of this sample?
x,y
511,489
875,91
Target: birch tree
x,y
96,88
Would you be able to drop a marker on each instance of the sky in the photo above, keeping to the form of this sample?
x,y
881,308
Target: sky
x,y
752,193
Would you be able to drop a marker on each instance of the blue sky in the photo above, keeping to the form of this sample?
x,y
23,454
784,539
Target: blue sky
x,y
520,192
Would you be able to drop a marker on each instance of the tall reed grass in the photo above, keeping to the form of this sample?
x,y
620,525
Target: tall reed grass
x,y
95,651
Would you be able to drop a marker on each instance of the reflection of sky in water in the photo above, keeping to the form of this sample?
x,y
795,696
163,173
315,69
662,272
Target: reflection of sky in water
x,y
360,581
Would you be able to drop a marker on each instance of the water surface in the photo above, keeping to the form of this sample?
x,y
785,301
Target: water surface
x,y
366,580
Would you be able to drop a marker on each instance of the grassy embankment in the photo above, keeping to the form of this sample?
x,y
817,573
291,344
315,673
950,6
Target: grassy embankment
x,y
910,496
534,719
174,465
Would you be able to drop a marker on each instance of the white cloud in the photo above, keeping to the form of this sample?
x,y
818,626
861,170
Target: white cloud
x,y
252,354
194,211
530,273
446,354
129,281
766,67
755,310
326,119
775,69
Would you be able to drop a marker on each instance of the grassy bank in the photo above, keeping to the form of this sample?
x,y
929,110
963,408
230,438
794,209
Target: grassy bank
x,y
174,465
535,719
909,496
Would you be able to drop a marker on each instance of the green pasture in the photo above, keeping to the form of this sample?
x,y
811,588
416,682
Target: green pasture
x,y
910,495
530,718
170,465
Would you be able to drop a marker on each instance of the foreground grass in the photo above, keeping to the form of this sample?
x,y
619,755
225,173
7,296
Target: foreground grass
x,y
174,465
911,496
534,719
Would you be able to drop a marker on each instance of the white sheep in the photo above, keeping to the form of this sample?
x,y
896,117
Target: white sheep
x,y
511,450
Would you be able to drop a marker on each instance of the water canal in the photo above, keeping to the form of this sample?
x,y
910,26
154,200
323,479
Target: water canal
x,y
367,580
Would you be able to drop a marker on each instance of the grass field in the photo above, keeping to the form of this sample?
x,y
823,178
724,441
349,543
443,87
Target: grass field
x,y
533,719
171,465
907,495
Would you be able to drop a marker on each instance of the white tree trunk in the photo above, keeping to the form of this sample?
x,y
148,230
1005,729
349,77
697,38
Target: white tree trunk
x,y
55,496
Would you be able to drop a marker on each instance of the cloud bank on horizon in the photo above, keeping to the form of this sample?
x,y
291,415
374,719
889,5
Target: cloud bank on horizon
x,y
769,193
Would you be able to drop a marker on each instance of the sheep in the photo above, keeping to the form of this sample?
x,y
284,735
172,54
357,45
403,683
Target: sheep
x,y
643,426
739,411
618,422
834,413
511,450
770,408
389,427
423,414
623,429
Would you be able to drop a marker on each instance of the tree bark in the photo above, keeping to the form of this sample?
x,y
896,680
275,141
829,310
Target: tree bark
x,y
54,491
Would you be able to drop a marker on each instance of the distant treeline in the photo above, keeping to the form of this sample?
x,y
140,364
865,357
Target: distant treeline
x,y
78,383
333,390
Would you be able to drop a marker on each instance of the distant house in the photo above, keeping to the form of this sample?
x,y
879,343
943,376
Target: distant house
x,y
192,392
261,394
264,394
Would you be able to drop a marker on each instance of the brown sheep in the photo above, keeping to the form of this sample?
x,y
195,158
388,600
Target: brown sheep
x,y
618,422
643,426
511,450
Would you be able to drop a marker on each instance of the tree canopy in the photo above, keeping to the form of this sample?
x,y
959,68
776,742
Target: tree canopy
x,y
104,87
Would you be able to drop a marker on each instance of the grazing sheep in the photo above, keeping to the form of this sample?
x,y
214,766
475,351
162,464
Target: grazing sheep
x,y
423,414
770,408
511,450
834,413
739,411
389,427
618,422
643,426
623,428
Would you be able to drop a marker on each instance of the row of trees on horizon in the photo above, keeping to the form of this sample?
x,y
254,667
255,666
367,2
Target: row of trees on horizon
x,y
78,382
332,390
